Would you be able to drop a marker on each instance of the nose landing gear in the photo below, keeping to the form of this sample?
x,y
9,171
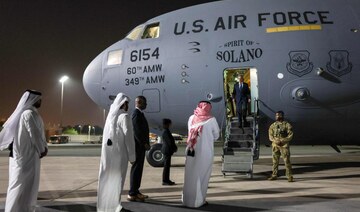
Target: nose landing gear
x,y
154,156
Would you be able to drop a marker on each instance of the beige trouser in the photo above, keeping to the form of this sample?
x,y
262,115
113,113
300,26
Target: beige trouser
x,y
285,154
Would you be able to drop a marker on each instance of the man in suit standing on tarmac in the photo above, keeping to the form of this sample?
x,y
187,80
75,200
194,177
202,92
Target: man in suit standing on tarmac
x,y
142,144
168,149
241,96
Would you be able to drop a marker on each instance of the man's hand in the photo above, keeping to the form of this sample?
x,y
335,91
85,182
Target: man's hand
x,y
278,142
43,154
147,147
132,162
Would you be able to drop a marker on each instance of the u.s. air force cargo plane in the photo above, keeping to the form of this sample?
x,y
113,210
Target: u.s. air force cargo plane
x,y
302,57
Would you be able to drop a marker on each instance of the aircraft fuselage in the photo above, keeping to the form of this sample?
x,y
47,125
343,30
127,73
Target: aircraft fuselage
x,y
305,55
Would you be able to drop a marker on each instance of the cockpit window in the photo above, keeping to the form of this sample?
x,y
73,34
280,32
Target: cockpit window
x,y
114,57
151,31
135,33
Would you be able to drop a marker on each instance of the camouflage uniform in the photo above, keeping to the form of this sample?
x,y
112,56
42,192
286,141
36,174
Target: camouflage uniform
x,y
280,134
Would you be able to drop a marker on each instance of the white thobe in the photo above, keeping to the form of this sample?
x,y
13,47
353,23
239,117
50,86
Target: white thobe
x,y
114,164
198,169
24,166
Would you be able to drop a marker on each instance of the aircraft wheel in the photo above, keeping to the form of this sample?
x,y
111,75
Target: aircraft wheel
x,y
154,156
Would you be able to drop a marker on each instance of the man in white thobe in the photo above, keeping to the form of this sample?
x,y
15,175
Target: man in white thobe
x,y
24,136
118,148
203,131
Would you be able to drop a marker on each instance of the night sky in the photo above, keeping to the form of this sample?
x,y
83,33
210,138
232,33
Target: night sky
x,y
42,40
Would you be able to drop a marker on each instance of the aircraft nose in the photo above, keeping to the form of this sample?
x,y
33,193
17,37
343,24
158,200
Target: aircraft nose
x,y
92,79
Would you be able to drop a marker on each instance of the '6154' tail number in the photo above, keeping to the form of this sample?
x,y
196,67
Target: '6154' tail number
x,y
144,54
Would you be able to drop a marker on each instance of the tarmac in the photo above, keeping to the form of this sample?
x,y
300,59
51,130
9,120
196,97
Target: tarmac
x,y
324,181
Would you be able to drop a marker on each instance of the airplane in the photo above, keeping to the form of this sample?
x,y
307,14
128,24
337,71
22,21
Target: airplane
x,y
301,57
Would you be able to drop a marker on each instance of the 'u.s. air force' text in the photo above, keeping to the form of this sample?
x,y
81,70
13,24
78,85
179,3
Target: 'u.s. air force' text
x,y
263,19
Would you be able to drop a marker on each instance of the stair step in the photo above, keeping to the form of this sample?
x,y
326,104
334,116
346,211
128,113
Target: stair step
x,y
249,118
239,147
236,125
240,137
237,151
244,158
243,144
245,130
241,141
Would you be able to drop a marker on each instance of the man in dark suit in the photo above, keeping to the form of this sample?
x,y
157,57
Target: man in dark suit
x,y
142,143
168,148
241,95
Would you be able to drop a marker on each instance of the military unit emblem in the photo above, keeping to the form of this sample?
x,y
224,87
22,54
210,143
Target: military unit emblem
x,y
339,62
299,64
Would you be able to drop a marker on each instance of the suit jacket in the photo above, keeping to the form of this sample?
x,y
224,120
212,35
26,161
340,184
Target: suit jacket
x,y
241,95
169,146
141,129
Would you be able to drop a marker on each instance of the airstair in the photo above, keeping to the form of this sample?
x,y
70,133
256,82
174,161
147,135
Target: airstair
x,y
241,147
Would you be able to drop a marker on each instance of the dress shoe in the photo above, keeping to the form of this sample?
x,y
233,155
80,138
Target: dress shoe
x,y
142,196
135,198
170,183
124,210
290,179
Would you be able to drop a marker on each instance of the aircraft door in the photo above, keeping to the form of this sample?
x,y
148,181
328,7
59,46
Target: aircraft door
x,y
108,88
111,63
230,78
253,88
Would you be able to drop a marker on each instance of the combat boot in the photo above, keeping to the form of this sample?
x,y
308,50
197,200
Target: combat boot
x,y
273,177
290,179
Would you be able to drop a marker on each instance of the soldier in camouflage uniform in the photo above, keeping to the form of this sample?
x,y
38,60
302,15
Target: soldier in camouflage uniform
x,y
280,134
